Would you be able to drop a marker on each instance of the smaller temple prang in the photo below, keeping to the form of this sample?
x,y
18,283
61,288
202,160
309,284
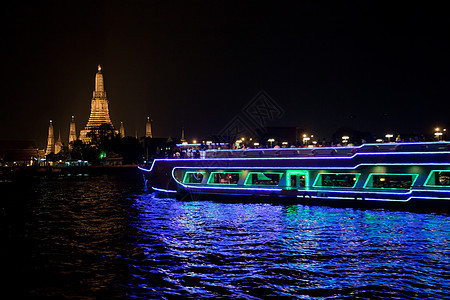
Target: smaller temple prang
x,y
58,144
122,130
72,132
182,135
50,140
148,128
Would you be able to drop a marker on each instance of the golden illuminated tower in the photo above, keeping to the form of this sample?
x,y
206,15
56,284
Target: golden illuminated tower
x,y
50,140
99,108
122,130
148,128
72,132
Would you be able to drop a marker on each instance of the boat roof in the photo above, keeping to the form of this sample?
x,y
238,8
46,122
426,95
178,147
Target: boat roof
x,y
330,151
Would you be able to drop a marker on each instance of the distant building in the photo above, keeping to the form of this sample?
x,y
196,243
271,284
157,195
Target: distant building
x,y
99,109
113,159
19,152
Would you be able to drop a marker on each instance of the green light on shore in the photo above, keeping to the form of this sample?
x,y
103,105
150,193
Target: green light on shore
x,y
102,154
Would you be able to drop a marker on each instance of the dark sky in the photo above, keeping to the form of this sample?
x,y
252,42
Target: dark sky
x,y
374,66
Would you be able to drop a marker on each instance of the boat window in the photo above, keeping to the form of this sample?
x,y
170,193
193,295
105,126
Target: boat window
x,y
263,178
336,180
391,181
438,178
193,177
224,177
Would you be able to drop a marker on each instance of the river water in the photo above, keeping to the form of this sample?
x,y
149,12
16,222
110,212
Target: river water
x,y
103,237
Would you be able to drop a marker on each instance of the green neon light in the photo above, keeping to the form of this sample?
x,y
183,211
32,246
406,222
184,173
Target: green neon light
x,y
295,172
261,173
211,177
185,178
369,179
102,154
316,181
432,174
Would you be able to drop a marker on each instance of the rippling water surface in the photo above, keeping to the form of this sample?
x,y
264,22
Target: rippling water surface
x,y
104,237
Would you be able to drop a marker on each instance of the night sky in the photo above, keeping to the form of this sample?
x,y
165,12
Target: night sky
x,y
378,67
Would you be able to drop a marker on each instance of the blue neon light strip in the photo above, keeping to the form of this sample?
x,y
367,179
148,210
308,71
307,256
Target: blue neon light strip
x,y
146,170
308,168
353,199
189,145
383,199
305,158
335,148
163,190
230,189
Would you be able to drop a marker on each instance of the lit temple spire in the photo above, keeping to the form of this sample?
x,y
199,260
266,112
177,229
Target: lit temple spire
x,y
122,130
148,128
50,140
72,132
182,135
99,109
99,85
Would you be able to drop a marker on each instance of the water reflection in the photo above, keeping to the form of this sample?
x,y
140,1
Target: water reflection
x,y
255,250
103,237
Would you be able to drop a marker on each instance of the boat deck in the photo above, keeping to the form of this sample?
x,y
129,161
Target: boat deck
x,y
329,151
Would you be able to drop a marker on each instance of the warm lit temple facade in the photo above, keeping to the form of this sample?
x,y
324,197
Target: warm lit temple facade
x,y
99,116
99,109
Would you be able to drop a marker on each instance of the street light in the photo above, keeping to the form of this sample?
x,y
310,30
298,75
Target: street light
x,y
345,139
389,136
438,134
271,141
306,139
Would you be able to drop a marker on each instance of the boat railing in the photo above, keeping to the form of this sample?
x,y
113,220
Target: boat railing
x,y
328,151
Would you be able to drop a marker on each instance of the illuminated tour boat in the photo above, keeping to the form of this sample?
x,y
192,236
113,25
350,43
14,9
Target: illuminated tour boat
x,y
400,174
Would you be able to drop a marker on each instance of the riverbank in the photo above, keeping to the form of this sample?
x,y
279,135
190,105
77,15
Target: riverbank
x,y
9,174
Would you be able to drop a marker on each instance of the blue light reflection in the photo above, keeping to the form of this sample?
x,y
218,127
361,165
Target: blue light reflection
x,y
210,249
